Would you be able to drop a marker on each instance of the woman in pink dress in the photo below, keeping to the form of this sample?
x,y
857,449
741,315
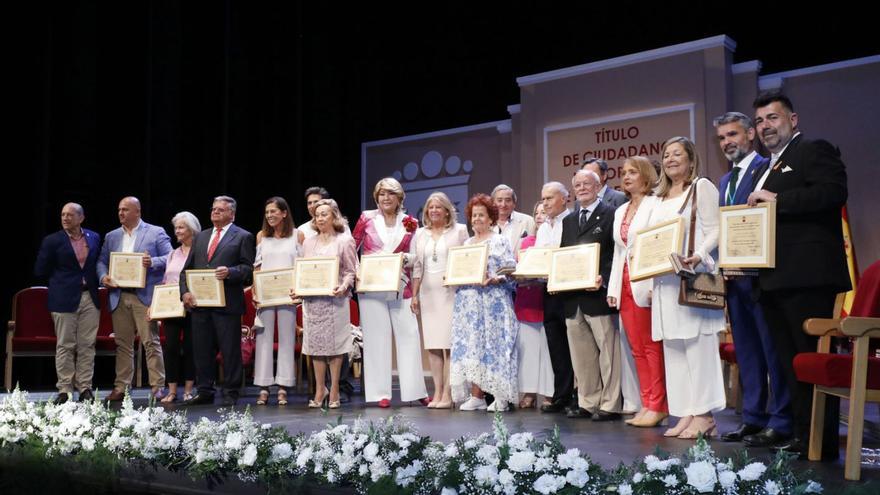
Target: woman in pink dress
x,y
432,301
326,319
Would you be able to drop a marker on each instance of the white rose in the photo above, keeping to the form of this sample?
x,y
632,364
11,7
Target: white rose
x,y
771,487
624,489
813,487
577,478
727,479
701,475
521,462
670,480
638,477
548,483
249,457
752,471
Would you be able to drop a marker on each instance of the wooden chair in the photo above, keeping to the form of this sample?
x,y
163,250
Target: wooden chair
x,y
853,376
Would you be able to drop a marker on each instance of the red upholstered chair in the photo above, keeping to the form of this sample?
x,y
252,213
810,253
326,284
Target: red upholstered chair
x,y
31,331
853,376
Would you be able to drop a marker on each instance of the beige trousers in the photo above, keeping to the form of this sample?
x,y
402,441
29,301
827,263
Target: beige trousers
x,y
594,344
75,347
130,319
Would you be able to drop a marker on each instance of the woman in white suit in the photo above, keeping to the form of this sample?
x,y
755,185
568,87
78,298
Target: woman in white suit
x,y
633,299
432,301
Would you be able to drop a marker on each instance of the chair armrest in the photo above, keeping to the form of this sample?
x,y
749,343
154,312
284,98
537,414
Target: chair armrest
x,y
823,326
858,327
10,326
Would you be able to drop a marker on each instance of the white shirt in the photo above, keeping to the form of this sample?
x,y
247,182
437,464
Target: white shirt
x,y
550,232
774,157
590,208
128,240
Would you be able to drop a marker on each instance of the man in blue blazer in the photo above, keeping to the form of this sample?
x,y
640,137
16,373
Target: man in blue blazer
x,y
766,415
229,251
128,305
67,259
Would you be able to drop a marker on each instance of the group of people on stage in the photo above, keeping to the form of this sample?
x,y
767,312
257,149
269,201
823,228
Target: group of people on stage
x,y
589,353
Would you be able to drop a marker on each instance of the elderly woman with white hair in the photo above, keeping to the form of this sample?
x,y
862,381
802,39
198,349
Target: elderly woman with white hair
x,y
431,300
178,333
388,230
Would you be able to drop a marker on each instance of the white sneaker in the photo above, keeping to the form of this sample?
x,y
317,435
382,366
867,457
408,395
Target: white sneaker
x,y
473,404
497,406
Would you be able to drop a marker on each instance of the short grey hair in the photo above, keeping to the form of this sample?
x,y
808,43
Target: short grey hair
x,y
594,175
560,188
731,117
77,207
188,219
503,187
227,199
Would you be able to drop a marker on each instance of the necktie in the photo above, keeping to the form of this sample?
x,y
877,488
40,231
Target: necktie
x,y
214,241
731,186
582,221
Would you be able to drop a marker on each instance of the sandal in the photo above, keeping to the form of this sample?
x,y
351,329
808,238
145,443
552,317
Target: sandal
x,y
169,398
263,397
282,397
527,402
187,396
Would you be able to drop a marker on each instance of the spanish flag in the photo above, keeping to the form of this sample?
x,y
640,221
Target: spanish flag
x,y
851,264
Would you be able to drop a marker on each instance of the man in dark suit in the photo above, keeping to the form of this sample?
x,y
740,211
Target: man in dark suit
x,y
766,415
68,259
612,197
593,339
229,251
807,181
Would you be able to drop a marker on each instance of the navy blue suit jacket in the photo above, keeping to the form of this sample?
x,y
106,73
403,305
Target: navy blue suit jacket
x,y
57,262
746,183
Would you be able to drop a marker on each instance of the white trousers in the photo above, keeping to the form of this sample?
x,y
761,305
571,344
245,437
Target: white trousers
x,y
693,375
379,318
629,380
286,375
535,370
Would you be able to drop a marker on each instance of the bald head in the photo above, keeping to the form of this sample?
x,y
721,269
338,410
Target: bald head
x,y
129,212
72,216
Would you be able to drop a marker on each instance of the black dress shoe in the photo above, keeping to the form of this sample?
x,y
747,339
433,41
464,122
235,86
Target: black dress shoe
x,y
199,399
606,416
766,438
579,412
553,407
61,398
794,445
86,395
230,400
738,434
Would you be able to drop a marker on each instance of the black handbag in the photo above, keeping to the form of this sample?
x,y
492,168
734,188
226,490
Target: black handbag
x,y
703,290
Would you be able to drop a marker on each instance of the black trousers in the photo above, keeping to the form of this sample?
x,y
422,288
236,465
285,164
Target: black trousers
x,y
557,342
179,361
211,331
785,312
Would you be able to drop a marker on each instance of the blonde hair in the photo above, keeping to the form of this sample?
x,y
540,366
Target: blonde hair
x,y
447,205
646,171
391,185
339,221
665,182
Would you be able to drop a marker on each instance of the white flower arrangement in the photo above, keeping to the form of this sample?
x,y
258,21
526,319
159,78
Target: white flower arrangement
x,y
385,457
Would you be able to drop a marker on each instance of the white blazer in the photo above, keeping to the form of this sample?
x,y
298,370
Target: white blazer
x,y
641,290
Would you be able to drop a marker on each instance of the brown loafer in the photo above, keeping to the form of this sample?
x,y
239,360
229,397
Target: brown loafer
x,y
115,396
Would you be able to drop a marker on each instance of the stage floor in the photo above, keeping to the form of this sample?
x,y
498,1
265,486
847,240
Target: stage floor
x,y
607,443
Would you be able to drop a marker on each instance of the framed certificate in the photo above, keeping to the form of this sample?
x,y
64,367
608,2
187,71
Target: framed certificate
x,y
573,268
206,288
316,276
652,247
166,302
748,236
466,265
534,263
380,272
127,270
272,287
